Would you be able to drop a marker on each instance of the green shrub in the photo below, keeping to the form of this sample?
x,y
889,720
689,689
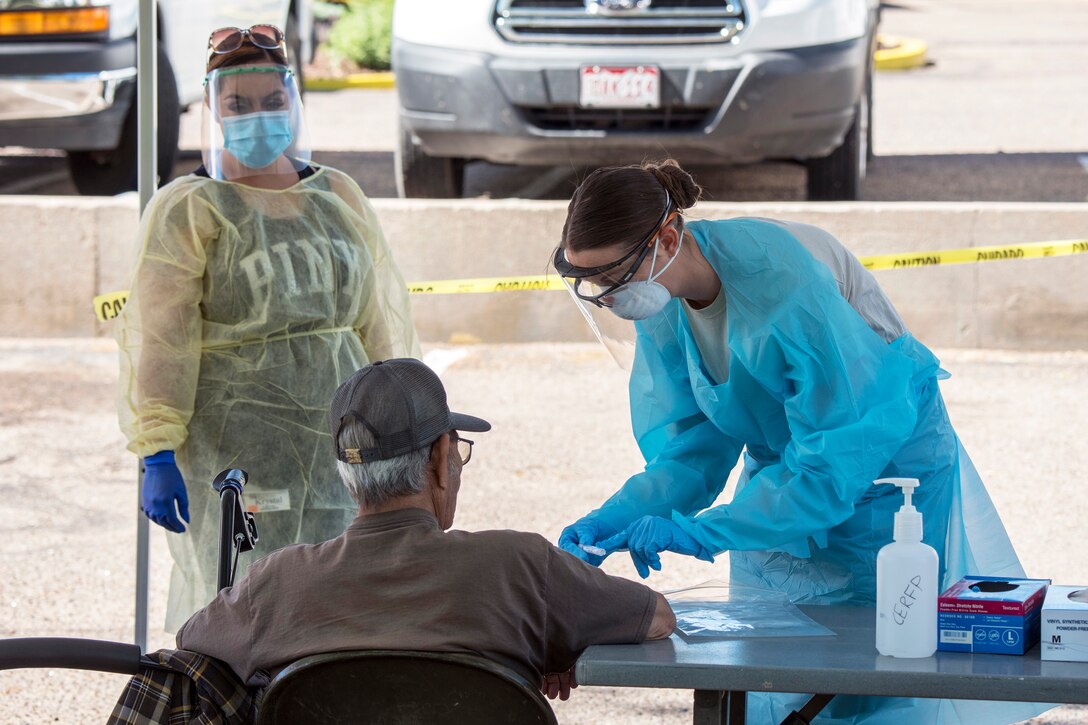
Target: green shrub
x,y
363,33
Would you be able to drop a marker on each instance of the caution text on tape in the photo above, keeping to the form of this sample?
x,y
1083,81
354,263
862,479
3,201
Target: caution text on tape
x,y
486,284
109,305
1030,250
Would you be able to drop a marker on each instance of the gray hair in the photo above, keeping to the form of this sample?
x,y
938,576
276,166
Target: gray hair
x,y
372,483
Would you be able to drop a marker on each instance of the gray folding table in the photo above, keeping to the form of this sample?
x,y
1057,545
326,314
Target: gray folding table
x,y
722,672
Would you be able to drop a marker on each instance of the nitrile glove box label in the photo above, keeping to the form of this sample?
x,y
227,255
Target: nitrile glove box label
x,y
1065,624
990,615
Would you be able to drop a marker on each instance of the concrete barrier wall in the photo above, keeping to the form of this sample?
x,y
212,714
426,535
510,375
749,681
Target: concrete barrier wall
x,y
59,252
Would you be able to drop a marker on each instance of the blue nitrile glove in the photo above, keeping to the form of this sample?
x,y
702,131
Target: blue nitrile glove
x,y
587,530
163,486
648,537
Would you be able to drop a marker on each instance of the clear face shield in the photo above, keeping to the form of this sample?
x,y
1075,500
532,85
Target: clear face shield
x,y
617,335
253,123
591,287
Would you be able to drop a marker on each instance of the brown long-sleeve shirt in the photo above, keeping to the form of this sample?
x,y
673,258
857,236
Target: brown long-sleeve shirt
x,y
395,580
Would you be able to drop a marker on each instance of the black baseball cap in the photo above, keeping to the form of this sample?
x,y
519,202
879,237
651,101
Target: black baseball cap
x,y
403,405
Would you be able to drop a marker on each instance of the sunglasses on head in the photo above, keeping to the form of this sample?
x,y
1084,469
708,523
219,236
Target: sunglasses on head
x,y
228,40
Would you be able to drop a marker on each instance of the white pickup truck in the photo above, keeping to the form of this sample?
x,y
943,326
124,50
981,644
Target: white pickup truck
x,y
68,75
594,82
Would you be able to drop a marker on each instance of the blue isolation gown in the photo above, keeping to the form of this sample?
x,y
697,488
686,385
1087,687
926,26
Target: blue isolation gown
x,y
821,406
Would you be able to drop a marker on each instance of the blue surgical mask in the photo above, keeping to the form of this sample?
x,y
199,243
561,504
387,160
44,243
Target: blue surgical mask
x,y
257,139
644,298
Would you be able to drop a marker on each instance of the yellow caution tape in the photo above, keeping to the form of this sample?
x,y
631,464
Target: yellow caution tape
x,y
1031,250
487,284
109,305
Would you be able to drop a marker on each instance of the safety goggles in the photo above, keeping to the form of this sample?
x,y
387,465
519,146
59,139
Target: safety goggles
x,y
581,280
228,40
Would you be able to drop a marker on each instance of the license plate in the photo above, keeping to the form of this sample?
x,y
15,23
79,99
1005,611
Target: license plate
x,y
634,86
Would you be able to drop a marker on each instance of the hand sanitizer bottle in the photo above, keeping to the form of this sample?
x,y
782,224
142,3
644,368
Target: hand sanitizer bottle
x,y
906,585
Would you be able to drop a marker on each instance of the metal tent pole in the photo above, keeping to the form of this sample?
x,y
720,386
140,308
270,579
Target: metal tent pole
x,y
147,122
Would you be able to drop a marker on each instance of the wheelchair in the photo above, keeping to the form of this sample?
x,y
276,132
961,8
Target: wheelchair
x,y
382,687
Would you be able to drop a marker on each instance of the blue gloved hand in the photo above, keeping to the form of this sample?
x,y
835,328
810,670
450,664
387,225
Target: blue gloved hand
x,y
587,531
163,486
648,537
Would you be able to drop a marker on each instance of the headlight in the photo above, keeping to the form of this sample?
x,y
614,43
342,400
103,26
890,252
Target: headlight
x,y
53,17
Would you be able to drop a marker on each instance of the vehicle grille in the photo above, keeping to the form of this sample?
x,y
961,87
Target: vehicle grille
x,y
573,118
616,22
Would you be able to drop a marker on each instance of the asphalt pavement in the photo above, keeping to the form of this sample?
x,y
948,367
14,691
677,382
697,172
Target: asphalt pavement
x,y
998,115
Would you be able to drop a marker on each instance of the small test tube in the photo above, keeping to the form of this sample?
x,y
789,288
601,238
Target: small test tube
x,y
595,550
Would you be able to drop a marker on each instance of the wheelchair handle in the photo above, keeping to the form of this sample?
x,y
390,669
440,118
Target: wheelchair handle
x,y
70,653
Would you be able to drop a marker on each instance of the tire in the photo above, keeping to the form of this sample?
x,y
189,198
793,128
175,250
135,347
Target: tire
x,y
839,175
426,177
110,172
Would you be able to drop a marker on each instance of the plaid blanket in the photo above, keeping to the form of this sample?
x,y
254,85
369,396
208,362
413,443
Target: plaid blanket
x,y
185,688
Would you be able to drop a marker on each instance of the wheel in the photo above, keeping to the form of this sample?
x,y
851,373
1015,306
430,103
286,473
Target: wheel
x,y
110,172
839,175
428,177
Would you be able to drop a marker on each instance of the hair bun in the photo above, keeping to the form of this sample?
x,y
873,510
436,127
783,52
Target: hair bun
x,y
679,183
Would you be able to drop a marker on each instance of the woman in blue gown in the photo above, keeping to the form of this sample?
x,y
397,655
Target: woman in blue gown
x,y
768,341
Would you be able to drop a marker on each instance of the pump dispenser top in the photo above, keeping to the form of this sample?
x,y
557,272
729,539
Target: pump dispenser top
x,y
908,521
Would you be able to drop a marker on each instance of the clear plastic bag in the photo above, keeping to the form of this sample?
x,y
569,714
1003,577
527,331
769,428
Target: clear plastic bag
x,y
716,609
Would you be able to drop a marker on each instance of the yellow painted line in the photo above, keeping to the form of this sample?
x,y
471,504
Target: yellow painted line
x,y
109,305
355,80
894,53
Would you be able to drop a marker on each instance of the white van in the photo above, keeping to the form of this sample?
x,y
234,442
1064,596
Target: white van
x,y
68,75
596,82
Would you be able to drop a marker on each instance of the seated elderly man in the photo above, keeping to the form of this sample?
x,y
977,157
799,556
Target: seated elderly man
x,y
397,578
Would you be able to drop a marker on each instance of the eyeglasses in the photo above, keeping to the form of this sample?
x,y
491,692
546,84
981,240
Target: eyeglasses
x,y
228,40
594,292
464,448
